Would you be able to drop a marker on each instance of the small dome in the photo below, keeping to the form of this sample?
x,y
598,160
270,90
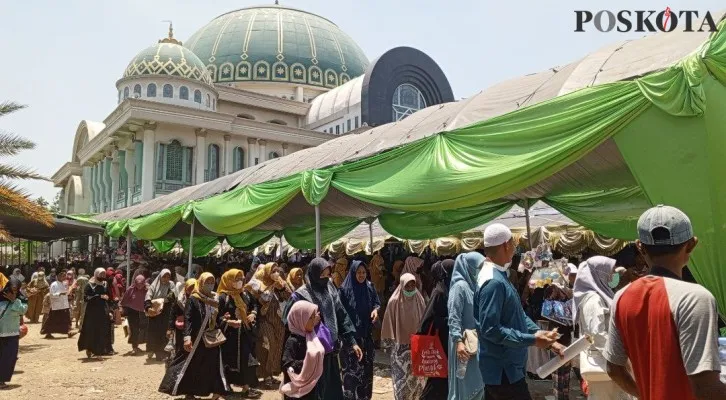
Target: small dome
x,y
168,57
279,44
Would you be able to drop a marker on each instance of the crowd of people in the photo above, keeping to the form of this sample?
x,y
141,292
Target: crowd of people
x,y
318,322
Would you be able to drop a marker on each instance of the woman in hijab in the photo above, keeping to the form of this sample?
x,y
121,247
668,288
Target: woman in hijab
x,y
295,279
112,284
377,269
435,321
176,322
403,317
78,289
160,294
269,289
303,359
11,310
397,271
59,318
319,290
36,290
240,309
200,373
17,275
361,302
593,295
133,305
340,271
412,266
96,330
461,317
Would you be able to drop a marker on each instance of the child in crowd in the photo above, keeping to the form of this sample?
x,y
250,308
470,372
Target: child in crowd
x,y
302,358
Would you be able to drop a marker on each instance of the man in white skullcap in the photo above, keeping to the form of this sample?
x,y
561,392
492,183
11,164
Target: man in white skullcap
x,y
505,332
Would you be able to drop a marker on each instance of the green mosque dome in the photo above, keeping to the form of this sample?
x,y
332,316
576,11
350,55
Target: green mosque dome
x,y
168,57
278,44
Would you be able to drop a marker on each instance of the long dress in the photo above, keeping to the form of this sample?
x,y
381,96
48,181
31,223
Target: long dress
x,y
59,318
96,330
461,317
156,339
358,375
435,322
406,386
79,306
200,373
36,294
271,331
239,362
177,311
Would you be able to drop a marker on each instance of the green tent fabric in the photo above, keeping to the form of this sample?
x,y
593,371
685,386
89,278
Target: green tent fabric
x,y
302,234
681,161
163,246
149,227
315,185
612,212
494,158
422,225
249,240
202,245
116,229
244,208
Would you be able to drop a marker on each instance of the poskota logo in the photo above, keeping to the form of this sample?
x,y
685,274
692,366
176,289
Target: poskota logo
x,y
645,21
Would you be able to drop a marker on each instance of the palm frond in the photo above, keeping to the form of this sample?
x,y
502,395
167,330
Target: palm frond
x,y
19,172
15,202
8,107
11,144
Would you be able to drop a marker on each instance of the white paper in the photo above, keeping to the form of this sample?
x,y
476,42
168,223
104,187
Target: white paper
x,y
577,347
59,302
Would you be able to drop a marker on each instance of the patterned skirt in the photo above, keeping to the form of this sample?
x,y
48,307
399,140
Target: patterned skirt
x,y
358,375
406,386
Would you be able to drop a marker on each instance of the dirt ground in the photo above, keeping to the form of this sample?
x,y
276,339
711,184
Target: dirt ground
x,y
55,368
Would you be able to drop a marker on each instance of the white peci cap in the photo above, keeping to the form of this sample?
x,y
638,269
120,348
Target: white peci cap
x,y
496,234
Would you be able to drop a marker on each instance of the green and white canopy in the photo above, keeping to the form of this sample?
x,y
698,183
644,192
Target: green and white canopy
x,y
600,140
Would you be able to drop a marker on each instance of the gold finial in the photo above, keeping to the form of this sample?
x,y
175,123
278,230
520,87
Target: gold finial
x,y
170,39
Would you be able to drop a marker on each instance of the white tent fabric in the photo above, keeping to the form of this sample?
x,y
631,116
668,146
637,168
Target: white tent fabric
x,y
622,61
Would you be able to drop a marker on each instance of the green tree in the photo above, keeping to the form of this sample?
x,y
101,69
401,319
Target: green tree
x,y
15,201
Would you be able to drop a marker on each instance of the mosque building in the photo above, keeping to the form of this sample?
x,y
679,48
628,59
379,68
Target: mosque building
x,y
250,85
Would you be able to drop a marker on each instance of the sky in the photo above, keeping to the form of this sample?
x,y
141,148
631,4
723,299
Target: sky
x,y
62,58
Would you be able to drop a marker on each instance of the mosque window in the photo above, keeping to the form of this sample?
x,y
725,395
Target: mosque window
x,y
151,90
209,101
174,165
238,157
198,96
337,129
348,126
273,154
356,122
137,90
214,104
212,162
168,91
407,99
184,93
126,93
174,161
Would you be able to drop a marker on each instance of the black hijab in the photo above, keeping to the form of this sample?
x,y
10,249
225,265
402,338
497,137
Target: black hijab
x,y
322,293
436,316
12,283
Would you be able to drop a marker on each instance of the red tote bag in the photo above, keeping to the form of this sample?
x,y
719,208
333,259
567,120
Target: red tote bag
x,y
428,358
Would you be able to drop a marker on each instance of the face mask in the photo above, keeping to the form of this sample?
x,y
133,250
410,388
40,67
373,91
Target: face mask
x,y
239,285
209,287
324,279
614,281
409,293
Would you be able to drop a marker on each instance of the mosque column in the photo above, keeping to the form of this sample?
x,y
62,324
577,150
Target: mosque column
x,y
115,178
284,149
147,172
251,151
228,156
262,143
201,155
101,186
129,165
138,167
108,182
92,184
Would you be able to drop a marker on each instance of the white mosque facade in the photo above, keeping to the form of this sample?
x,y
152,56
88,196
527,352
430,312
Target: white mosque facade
x,y
252,84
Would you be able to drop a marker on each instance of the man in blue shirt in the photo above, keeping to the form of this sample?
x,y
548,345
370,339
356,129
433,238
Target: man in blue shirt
x,y
505,332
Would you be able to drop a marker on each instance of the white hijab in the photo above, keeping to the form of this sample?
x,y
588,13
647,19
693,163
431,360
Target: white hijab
x,y
593,276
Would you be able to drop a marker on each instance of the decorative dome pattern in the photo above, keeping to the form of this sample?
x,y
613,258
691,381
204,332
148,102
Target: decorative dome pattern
x,y
274,43
168,58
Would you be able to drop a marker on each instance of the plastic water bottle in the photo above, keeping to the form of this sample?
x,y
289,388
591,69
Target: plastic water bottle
x,y
461,368
722,357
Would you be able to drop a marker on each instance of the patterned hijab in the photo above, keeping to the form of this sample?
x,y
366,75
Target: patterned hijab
x,y
226,285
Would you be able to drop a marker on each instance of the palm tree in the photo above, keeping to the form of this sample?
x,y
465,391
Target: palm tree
x,y
15,201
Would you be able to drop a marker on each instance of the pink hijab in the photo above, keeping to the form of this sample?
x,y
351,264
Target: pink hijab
x,y
304,382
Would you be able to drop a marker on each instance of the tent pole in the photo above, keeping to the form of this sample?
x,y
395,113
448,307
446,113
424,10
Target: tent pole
x,y
370,235
317,231
526,217
191,250
128,257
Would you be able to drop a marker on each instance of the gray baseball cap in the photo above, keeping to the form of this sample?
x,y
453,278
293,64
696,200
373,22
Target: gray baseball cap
x,y
673,220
